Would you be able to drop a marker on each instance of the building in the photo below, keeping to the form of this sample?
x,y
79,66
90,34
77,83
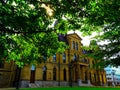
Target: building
x,y
7,73
112,76
66,69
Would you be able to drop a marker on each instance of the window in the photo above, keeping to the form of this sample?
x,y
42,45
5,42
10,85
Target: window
x,y
32,75
54,57
64,58
0,76
44,72
95,77
73,45
64,74
76,46
90,76
33,67
1,64
54,73
78,57
86,76
74,57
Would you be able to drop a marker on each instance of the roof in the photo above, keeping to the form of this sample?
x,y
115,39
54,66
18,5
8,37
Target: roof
x,y
63,37
74,34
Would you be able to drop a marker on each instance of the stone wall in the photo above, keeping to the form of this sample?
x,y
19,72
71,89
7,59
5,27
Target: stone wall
x,y
5,79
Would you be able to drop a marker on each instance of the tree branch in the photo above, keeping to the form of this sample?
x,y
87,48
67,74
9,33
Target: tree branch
x,y
10,31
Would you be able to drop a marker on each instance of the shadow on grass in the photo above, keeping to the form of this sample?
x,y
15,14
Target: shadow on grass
x,y
73,88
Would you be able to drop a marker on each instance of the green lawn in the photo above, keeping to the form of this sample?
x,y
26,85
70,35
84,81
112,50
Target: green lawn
x,y
73,88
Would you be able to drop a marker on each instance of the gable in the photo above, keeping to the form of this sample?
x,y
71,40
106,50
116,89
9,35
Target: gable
x,y
75,36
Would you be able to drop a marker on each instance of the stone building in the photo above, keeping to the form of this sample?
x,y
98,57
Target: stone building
x,y
112,76
66,69
7,73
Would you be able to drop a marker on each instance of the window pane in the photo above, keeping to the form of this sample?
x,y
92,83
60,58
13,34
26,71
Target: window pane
x,y
54,73
54,57
64,57
2,64
76,46
74,58
64,74
73,45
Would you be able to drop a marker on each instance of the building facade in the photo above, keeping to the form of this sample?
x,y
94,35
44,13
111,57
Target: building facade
x,y
7,74
112,76
66,69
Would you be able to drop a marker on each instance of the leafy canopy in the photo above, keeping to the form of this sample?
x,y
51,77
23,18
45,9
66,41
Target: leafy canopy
x,y
106,14
27,30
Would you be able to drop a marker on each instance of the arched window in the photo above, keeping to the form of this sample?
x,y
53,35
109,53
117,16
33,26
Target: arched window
x,y
86,77
44,72
78,57
64,74
54,73
33,67
54,57
74,57
76,46
64,58
32,76
73,45
94,77
90,76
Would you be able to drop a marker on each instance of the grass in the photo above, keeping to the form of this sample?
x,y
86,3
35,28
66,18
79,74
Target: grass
x,y
73,88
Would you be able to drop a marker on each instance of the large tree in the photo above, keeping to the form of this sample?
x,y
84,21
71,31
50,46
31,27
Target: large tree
x,y
26,29
105,14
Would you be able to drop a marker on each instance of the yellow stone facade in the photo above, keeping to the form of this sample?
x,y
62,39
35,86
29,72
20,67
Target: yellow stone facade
x,y
69,68
7,72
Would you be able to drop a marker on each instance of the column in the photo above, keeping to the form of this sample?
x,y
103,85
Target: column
x,y
79,75
88,76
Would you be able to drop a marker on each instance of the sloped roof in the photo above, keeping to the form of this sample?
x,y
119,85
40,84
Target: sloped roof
x,y
63,37
74,34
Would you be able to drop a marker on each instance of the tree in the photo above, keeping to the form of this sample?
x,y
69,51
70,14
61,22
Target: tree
x,y
26,30
105,14
28,23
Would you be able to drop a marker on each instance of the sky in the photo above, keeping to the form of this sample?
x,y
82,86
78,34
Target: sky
x,y
85,40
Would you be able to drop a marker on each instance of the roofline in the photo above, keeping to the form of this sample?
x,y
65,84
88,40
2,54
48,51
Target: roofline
x,y
73,34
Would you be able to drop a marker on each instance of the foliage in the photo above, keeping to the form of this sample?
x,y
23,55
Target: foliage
x,y
28,33
29,26
106,14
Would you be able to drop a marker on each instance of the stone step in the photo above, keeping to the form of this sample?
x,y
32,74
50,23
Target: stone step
x,y
37,84
32,85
